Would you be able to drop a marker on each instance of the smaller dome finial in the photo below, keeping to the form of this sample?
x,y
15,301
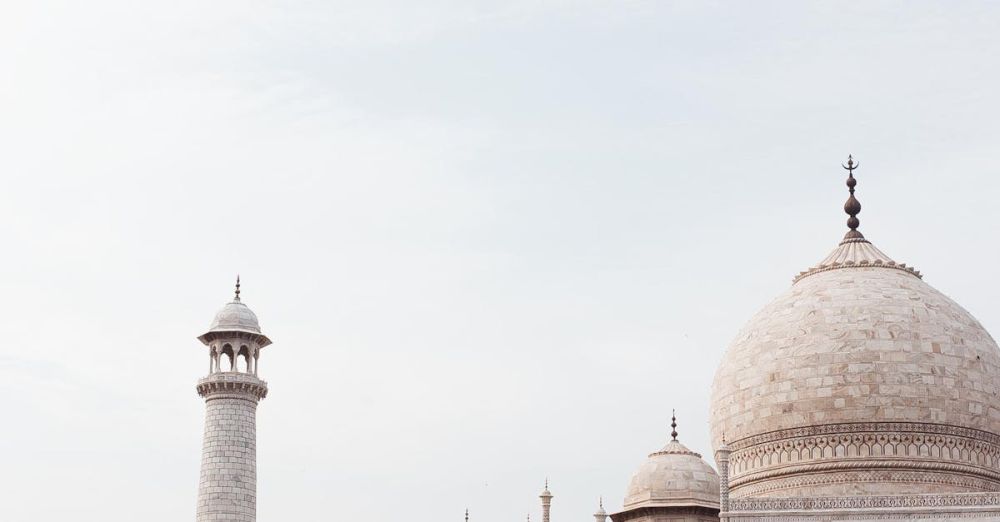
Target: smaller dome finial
x,y
600,502
852,206
466,514
673,424
237,298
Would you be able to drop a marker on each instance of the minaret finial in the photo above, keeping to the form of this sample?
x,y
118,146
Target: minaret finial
x,y
852,206
237,298
673,424
600,501
546,482
466,514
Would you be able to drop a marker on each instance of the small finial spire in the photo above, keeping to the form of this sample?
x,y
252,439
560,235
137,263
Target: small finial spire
x,y
237,298
466,514
546,482
600,501
673,424
852,206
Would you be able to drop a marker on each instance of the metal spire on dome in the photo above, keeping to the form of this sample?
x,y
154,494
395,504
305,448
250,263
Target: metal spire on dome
x,y
852,206
854,250
466,514
673,424
237,298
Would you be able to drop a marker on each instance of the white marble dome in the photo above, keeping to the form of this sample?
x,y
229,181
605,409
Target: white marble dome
x,y
860,379
673,476
235,317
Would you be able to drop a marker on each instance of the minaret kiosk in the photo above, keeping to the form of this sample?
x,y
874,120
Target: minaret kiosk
x,y
227,490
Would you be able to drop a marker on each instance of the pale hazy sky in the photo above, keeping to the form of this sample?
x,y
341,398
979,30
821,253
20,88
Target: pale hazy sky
x,y
492,242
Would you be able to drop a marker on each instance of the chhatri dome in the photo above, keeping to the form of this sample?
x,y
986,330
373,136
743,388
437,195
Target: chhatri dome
x,y
235,317
670,481
860,379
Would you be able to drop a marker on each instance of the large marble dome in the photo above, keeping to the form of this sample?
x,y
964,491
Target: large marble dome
x,y
859,379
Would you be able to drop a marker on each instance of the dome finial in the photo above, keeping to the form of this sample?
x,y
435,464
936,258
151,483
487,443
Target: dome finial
x,y
673,424
466,514
237,298
852,206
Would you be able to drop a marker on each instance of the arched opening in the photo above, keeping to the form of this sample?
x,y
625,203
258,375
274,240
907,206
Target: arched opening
x,y
243,360
229,365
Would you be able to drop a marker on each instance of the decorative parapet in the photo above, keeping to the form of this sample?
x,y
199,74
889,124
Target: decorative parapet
x,y
232,384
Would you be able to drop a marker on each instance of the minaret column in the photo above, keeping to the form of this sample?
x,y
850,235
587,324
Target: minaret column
x,y
227,488
546,502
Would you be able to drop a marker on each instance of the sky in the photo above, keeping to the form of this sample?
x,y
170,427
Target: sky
x,y
492,242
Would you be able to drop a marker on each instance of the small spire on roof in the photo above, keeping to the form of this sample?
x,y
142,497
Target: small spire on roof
x,y
852,206
466,514
237,298
673,424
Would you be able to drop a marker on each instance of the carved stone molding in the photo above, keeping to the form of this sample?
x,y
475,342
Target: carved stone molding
x,y
963,458
866,427
893,476
987,500
232,385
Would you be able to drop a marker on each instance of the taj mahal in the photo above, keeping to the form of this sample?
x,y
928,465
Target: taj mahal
x,y
859,393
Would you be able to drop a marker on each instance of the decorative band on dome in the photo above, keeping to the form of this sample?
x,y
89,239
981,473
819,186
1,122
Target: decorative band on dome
x,y
675,448
856,252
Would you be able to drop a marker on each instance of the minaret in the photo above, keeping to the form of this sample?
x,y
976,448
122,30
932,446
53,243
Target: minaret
x,y
601,515
546,501
227,490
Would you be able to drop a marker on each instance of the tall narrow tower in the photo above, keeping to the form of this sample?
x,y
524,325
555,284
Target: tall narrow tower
x,y
546,501
228,487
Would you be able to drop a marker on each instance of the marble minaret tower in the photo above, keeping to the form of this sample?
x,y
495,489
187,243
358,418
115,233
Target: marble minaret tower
x,y
546,502
228,487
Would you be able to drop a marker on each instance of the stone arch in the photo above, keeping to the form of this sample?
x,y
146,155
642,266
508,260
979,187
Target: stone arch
x,y
227,349
243,359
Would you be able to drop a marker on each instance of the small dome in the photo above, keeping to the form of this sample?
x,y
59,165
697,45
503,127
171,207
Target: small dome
x,y
235,317
673,476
